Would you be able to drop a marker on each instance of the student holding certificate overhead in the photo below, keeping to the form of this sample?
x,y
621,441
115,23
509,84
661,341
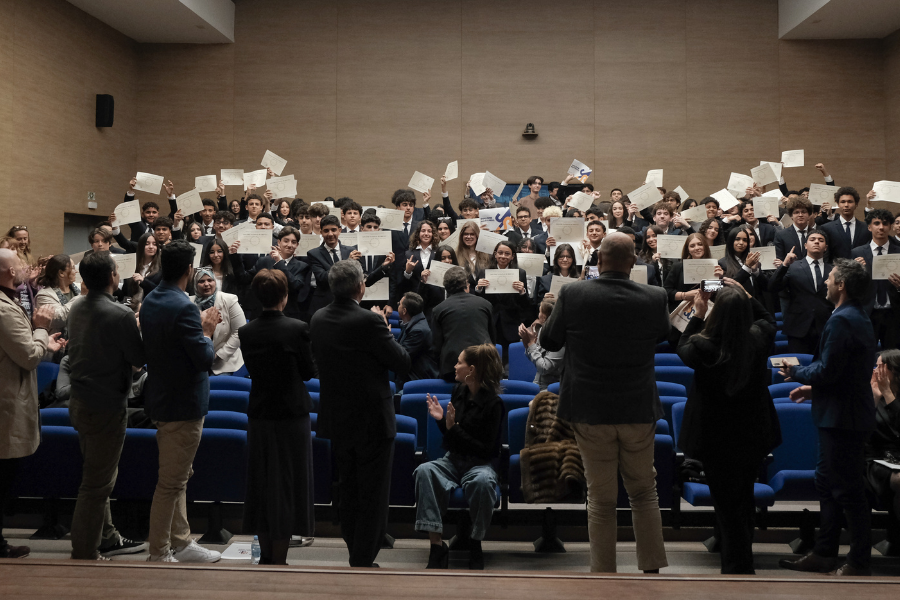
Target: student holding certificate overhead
x,y
512,306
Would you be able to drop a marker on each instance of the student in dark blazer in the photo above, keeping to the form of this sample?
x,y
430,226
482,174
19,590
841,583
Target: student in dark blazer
x,y
564,265
764,231
795,236
322,258
729,354
522,229
807,307
416,339
883,299
298,275
741,263
422,252
677,290
843,409
277,353
460,321
658,269
355,350
846,232
509,310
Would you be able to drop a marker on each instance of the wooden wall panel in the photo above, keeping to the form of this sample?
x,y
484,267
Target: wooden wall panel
x,y
7,103
891,54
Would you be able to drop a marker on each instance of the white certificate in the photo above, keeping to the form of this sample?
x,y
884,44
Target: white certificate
x,y
421,182
763,174
792,158
282,187
694,215
776,167
885,265
125,265
488,240
766,257
476,185
765,206
257,178
494,183
198,254
492,217
683,194
390,218
373,243
738,183
306,243
189,203
274,162
717,252
639,273
380,290
698,269
819,194
581,201
452,171
670,246
205,183
255,241
886,191
726,199
655,176
350,238
557,283
501,281
232,176
148,183
579,169
127,213
786,221
645,196
567,230
438,270
532,264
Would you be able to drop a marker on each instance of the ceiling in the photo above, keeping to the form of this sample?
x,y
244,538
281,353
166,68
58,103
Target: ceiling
x,y
166,21
837,19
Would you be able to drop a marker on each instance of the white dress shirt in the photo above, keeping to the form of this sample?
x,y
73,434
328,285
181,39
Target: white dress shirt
x,y
852,222
812,269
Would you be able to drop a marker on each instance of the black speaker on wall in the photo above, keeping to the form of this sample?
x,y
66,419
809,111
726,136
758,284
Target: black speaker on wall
x,y
105,107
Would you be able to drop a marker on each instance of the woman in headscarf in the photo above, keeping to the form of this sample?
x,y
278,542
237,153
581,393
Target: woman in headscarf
x,y
226,343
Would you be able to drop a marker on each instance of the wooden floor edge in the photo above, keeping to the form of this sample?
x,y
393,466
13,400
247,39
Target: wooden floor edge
x,y
290,569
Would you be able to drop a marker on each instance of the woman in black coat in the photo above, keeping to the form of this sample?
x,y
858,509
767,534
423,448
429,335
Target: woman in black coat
x,y
730,424
882,481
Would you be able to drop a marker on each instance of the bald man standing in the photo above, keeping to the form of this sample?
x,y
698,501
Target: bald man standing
x,y
608,392
21,349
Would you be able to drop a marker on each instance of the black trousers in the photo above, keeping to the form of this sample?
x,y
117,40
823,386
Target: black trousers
x,y
731,486
841,485
804,345
886,323
364,473
9,468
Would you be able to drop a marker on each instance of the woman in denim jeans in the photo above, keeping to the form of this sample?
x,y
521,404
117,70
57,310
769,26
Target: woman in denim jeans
x,y
471,428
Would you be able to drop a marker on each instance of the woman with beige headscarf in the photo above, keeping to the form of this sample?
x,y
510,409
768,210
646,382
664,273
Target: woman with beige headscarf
x,y
226,343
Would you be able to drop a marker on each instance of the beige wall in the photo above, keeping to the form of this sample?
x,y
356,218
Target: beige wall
x,y
892,105
54,59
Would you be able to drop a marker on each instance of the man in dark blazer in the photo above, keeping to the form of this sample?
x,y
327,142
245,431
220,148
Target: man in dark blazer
x,y
322,258
460,321
839,383
611,399
764,231
806,307
846,232
795,236
179,349
522,227
883,298
298,274
416,339
355,350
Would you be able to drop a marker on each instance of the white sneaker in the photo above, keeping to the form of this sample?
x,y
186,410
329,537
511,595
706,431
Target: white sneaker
x,y
196,553
300,541
167,557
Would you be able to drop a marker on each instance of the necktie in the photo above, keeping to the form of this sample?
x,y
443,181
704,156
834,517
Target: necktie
x,y
849,237
334,255
819,282
880,288
406,228
803,239
368,264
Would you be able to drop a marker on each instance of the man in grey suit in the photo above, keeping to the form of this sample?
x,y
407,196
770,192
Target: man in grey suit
x,y
460,321
608,392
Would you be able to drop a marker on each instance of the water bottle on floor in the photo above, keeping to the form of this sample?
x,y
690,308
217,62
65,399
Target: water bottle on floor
x,y
254,551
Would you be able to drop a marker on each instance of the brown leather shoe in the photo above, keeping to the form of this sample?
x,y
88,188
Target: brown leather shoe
x,y
16,552
848,571
812,563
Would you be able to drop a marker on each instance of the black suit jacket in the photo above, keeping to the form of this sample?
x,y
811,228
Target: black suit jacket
x,y
320,261
788,238
510,310
416,339
431,294
460,321
354,351
278,356
766,234
838,245
865,252
806,307
298,275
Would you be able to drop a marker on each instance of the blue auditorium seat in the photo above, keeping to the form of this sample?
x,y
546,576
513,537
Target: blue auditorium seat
x,y
242,372
314,396
416,407
323,471
220,467
232,400
804,360
553,388
46,373
511,386
782,390
138,466
667,388
403,485
520,366
516,420
428,386
312,385
54,470
56,416
681,375
407,425
793,471
225,419
229,382
667,360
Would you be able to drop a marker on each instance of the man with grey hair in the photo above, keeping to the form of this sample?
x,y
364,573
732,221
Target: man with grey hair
x,y
611,397
460,321
355,351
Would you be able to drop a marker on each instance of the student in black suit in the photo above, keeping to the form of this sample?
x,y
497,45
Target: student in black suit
x,y
741,263
590,247
662,218
468,208
404,200
883,300
807,307
764,231
416,339
795,236
298,273
839,382
564,265
278,356
846,232
522,229
509,310
354,351
538,225
729,354
376,267
322,258
422,251
460,321
678,291
658,268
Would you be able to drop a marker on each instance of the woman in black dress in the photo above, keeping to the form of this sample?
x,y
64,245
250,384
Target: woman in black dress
x,y
884,444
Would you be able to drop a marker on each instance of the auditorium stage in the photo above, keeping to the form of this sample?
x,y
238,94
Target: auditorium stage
x,y
128,579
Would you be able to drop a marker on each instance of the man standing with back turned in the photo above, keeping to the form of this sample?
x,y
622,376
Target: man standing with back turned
x,y
611,399
355,350
843,410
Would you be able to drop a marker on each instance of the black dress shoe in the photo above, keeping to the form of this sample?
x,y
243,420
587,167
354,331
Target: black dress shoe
x,y
848,571
476,556
811,563
439,557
